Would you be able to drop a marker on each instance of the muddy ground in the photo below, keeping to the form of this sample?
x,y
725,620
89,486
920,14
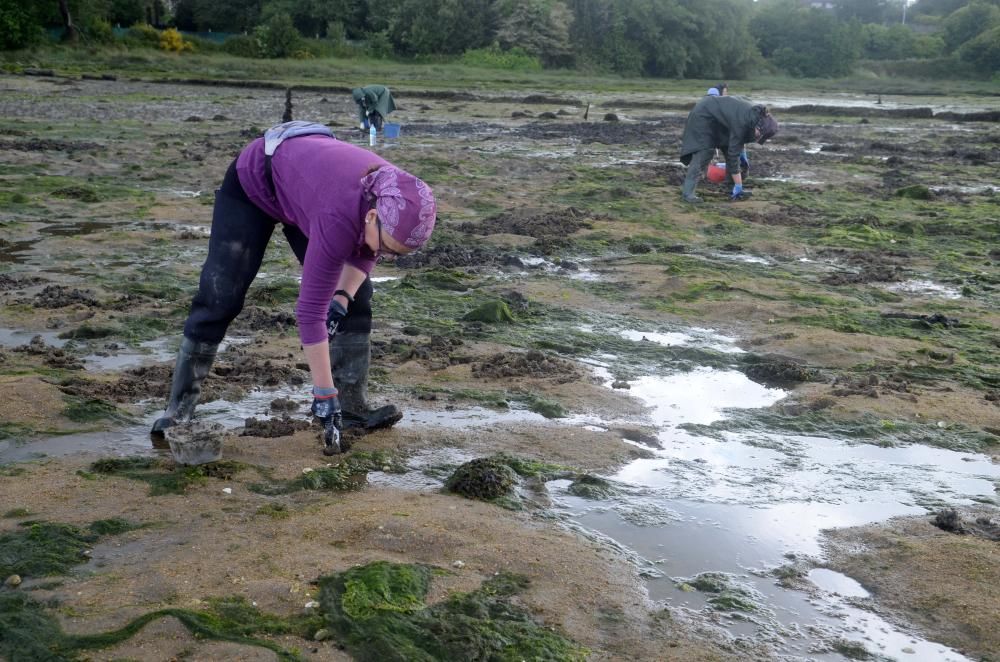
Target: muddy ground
x,y
863,276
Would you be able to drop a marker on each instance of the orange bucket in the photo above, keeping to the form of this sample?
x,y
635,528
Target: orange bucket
x,y
716,173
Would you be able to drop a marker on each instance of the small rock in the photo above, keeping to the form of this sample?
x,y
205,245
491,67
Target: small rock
x,y
620,384
12,581
312,604
941,424
908,650
321,635
227,490
307,470
611,117
455,564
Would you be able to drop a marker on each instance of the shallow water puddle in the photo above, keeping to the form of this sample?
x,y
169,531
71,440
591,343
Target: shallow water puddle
x,y
744,505
571,269
699,337
925,287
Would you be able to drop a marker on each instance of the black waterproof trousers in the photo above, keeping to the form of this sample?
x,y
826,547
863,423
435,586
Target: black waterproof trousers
x,y
240,234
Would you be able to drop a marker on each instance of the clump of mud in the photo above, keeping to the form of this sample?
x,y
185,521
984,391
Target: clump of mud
x,y
254,318
779,372
52,356
437,351
483,478
605,132
526,364
10,282
451,256
951,520
871,385
234,372
532,223
868,267
60,296
48,145
274,427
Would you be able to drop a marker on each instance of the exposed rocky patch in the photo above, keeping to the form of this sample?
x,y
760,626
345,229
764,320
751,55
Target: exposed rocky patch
x,y
233,373
48,145
451,256
254,318
533,223
274,427
10,282
526,364
608,132
61,296
779,372
54,357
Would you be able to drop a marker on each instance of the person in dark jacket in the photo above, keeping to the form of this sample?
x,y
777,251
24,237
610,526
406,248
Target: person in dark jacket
x,y
374,104
726,123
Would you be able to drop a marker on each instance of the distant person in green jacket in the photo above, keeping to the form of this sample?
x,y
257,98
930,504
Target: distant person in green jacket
x,y
374,104
726,123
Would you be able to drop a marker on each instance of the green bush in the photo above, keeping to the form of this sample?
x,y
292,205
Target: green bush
x,y
493,57
142,35
983,52
19,28
278,37
98,31
378,46
931,68
241,46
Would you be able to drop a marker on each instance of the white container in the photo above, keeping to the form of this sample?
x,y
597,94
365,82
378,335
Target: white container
x,y
195,443
372,135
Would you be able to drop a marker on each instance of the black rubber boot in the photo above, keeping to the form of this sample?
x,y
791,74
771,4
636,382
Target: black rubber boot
x,y
350,357
194,360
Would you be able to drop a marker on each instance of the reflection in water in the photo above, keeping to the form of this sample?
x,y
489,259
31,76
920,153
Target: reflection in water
x,y
744,504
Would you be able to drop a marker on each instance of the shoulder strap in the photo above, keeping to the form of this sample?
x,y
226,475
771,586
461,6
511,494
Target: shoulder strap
x,y
279,133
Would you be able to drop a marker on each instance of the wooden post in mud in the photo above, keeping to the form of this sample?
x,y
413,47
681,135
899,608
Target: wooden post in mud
x,y
586,112
287,117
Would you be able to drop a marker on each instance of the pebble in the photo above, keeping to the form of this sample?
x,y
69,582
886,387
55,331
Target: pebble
x,y
12,581
321,635
227,490
312,604
458,564
908,650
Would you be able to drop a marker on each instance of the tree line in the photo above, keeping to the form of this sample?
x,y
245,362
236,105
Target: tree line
x,y
661,38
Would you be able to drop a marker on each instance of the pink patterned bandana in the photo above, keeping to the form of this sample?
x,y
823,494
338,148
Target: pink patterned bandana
x,y
405,204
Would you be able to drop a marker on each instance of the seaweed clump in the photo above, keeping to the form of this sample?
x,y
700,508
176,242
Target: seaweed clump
x,y
587,486
41,549
378,612
165,477
485,478
491,312
29,631
349,474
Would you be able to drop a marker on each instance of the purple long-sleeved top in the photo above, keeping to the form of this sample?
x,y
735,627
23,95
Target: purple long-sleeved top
x,y
318,185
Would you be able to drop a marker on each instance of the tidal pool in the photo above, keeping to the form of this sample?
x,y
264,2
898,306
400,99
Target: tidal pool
x,y
745,505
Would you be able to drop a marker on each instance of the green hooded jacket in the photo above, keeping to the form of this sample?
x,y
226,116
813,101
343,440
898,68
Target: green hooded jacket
x,y
725,123
371,98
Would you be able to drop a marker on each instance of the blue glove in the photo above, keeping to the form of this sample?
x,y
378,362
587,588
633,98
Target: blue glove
x,y
744,160
333,317
737,192
326,407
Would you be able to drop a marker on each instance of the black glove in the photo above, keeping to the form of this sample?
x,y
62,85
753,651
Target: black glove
x,y
333,317
327,410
